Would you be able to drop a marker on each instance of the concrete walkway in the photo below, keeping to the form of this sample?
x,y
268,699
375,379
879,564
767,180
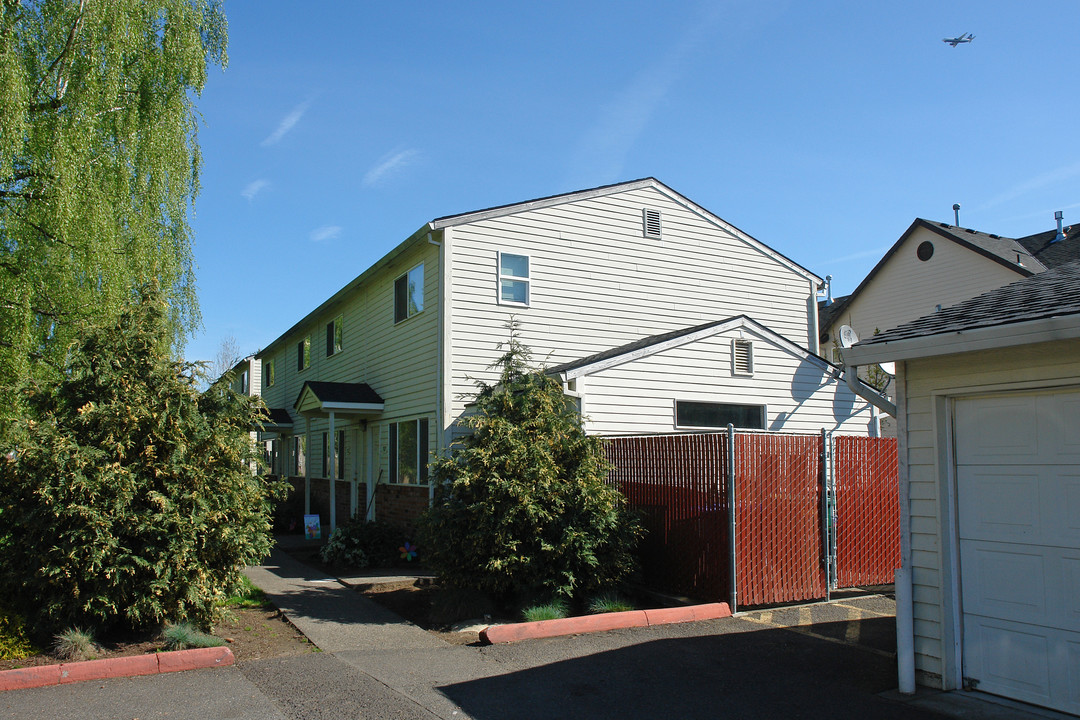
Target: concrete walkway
x,y
332,615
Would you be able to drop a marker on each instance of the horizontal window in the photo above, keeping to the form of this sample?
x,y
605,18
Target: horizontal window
x,y
691,414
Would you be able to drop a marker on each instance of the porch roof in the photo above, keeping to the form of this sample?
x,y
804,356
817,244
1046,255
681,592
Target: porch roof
x,y
318,399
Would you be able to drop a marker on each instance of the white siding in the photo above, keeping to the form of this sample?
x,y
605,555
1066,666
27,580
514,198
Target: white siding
x,y
597,283
638,397
1029,367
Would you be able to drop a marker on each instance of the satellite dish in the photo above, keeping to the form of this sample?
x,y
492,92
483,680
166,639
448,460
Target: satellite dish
x,y
888,367
847,336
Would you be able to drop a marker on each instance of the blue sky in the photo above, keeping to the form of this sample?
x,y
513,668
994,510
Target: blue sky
x,y
822,129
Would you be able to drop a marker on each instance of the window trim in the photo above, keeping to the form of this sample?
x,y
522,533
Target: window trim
x,y
499,277
400,318
268,373
335,336
675,414
423,452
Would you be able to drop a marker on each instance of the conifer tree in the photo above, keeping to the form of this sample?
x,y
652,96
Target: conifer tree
x,y
130,498
522,508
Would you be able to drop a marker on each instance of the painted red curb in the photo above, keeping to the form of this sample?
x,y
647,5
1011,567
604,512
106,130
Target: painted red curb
x,y
131,666
604,621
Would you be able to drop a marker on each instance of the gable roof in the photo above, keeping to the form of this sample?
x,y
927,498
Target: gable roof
x,y
658,343
1002,250
337,396
1053,254
446,221
1047,302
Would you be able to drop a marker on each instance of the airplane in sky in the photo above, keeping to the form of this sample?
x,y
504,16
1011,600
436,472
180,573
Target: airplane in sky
x,y
965,38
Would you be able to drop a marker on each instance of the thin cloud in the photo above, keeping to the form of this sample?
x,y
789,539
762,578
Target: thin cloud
x,y
287,123
872,252
606,146
326,232
389,164
1038,182
254,187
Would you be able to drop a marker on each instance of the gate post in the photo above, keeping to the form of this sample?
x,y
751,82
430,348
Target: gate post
x,y
731,517
828,511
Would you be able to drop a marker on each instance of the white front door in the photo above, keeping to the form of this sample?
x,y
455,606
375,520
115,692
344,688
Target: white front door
x,y
1018,501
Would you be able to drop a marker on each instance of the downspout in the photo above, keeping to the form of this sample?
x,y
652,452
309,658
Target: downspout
x,y
851,375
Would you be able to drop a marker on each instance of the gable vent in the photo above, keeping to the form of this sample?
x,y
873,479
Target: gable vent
x,y
651,220
742,357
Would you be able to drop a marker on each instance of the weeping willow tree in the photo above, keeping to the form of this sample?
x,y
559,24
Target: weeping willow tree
x,y
99,164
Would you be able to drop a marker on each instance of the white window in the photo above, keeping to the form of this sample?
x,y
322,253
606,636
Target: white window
x,y
513,279
742,357
409,452
692,414
409,294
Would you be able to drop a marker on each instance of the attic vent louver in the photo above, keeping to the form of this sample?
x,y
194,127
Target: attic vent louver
x,y
651,222
742,357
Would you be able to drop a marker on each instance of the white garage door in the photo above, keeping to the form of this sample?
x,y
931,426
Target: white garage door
x,y
1018,488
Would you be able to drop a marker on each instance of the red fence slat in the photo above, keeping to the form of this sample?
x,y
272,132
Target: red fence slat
x,y
867,510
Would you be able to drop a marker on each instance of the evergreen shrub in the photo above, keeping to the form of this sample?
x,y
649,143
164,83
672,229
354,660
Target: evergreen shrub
x,y
361,543
522,508
130,498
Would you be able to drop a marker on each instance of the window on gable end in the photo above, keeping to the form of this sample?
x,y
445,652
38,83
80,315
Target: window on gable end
x,y
514,282
651,223
742,357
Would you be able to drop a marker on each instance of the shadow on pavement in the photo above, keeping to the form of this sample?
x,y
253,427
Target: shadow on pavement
x,y
768,673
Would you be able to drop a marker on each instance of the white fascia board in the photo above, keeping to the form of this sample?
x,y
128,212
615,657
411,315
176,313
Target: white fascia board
x,y
961,341
737,323
359,407
516,208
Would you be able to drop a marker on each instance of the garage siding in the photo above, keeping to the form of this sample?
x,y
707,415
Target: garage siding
x,y
1023,368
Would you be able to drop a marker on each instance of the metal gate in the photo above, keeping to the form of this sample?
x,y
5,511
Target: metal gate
x,y
809,513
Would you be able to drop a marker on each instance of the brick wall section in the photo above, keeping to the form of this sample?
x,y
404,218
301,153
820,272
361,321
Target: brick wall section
x,y
401,505
320,499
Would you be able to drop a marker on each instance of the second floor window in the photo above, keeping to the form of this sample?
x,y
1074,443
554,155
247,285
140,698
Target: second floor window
x,y
333,336
268,373
303,354
409,294
513,279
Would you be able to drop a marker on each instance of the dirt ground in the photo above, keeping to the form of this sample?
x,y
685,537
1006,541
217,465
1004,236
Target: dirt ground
x,y
251,634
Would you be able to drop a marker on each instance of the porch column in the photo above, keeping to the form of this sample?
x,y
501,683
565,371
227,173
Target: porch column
x,y
331,448
353,469
307,466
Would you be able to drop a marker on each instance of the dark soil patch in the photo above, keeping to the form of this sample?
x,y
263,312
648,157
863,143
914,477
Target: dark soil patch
x,y
251,633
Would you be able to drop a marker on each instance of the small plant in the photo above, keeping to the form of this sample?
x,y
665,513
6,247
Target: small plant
x,y
14,644
247,595
185,635
549,611
609,602
359,543
75,644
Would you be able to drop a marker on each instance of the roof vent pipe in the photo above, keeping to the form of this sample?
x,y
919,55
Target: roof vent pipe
x,y
1060,235
956,214
828,290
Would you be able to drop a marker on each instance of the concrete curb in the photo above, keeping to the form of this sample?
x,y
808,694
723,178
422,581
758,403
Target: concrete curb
x,y
604,621
131,666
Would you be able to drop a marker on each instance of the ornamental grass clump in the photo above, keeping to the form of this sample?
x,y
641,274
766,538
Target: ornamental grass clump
x,y
185,635
75,644
553,610
522,506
